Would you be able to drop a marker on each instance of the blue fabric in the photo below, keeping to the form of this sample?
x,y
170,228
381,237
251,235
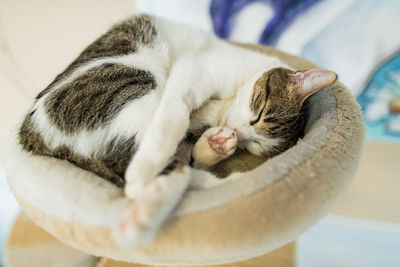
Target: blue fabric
x,y
285,11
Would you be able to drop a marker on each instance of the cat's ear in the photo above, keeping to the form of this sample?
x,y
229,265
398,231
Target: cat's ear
x,y
307,82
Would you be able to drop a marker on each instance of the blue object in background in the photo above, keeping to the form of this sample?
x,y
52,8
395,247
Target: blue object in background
x,y
382,87
285,11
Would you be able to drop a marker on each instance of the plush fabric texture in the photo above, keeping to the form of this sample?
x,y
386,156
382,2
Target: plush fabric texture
x,y
252,214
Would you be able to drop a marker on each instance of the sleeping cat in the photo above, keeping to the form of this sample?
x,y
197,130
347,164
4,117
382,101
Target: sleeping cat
x,y
151,97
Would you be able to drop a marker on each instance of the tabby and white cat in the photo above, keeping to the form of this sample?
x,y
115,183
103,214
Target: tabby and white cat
x,y
151,97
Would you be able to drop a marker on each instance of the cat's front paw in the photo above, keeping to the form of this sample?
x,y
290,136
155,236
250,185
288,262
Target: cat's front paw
x,y
222,140
214,145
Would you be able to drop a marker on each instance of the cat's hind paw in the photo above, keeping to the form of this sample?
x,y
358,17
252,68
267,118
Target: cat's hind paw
x,y
139,224
151,208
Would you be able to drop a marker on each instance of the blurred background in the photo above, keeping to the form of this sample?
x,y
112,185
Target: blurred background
x,y
359,39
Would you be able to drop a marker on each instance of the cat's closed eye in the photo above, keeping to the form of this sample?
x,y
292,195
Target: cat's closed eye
x,y
270,119
257,119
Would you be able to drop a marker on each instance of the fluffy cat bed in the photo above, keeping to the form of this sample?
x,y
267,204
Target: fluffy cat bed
x,y
246,217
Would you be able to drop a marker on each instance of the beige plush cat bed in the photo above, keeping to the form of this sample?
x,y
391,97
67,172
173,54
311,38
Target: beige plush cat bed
x,y
246,217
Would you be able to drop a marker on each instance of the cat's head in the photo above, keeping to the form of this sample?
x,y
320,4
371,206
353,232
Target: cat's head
x,y
274,116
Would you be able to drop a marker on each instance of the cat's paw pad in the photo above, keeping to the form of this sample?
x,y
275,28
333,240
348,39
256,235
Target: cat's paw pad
x,y
223,140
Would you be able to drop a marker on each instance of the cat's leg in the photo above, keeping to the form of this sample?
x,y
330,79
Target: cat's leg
x,y
185,91
149,211
216,144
